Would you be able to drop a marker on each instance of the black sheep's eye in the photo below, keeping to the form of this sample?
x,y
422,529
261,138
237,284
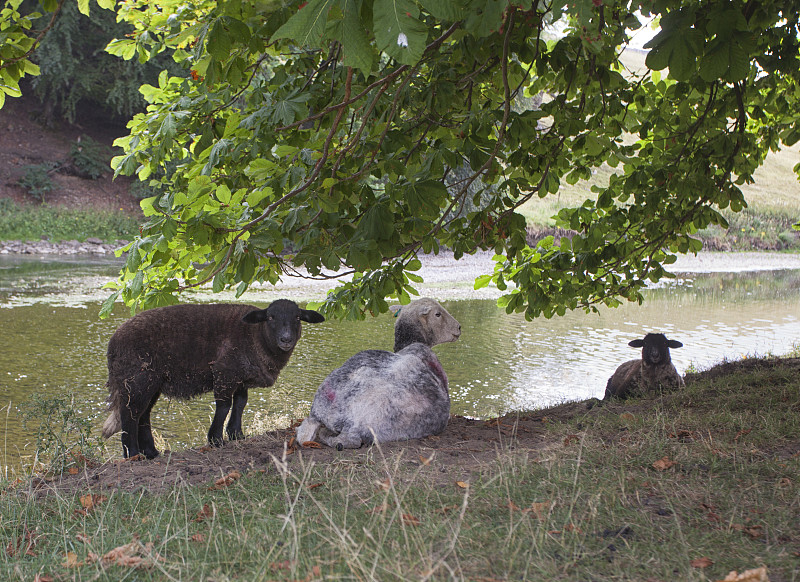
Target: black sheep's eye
x,y
438,314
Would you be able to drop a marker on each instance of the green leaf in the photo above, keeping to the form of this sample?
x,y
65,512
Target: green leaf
x,y
398,31
83,7
447,10
357,52
485,17
124,48
219,42
256,196
224,194
307,26
108,305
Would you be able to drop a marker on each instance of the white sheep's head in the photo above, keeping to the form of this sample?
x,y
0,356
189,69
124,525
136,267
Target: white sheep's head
x,y
424,321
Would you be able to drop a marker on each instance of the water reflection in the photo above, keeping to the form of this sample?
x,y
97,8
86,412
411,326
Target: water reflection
x,y
52,342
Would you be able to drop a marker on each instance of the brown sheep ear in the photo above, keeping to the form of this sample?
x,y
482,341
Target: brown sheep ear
x,y
311,316
674,344
255,316
636,343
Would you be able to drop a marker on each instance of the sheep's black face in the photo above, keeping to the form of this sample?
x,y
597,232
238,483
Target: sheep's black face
x,y
655,348
282,320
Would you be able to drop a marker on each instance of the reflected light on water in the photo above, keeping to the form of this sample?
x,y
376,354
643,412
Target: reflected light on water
x,y
501,363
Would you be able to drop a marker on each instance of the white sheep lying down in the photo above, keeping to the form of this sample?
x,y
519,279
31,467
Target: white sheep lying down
x,y
387,396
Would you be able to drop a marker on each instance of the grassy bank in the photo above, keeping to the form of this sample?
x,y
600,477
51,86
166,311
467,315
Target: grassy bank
x,y
766,224
686,486
30,223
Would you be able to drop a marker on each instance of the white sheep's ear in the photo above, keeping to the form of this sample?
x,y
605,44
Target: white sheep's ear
x,y
636,343
674,344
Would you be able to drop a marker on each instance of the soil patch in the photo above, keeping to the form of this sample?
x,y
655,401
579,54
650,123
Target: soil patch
x,y
465,447
25,142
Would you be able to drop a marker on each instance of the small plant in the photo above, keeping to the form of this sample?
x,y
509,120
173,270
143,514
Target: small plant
x,y
36,180
63,437
90,158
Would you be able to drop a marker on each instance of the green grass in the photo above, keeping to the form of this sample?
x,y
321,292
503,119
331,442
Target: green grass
x,y
590,504
56,223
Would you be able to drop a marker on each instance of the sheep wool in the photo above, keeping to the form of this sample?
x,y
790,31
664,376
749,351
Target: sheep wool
x,y
185,350
384,396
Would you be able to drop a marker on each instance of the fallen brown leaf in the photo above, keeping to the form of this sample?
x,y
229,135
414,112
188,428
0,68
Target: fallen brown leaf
x,y
133,555
386,484
311,445
754,575
42,578
90,501
539,509
83,538
204,513
24,544
283,565
754,531
409,519
571,438
378,508
73,470
701,562
462,484
198,537
227,480
426,460
664,463
71,560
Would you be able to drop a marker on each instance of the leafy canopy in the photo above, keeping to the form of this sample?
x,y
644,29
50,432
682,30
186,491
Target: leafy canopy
x,y
344,137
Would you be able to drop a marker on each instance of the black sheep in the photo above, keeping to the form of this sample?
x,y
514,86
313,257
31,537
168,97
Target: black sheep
x,y
652,371
185,350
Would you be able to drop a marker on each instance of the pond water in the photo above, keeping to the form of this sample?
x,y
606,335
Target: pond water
x,y
53,343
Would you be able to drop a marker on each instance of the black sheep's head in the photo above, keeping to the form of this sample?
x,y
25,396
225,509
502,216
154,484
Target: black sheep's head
x,y
282,320
655,348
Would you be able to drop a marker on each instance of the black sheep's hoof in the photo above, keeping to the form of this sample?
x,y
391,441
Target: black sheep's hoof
x,y
151,453
339,447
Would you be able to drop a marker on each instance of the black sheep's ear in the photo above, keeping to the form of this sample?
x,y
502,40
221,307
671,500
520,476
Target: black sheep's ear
x,y
255,316
636,343
674,344
311,316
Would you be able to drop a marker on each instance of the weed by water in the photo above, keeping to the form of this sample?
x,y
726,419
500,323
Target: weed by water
x,y
63,434
57,224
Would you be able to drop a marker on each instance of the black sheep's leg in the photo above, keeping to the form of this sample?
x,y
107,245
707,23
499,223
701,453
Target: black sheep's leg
x,y
130,433
215,432
147,445
234,429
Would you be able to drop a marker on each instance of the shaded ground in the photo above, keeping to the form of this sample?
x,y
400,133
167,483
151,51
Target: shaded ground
x,y
25,142
463,448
